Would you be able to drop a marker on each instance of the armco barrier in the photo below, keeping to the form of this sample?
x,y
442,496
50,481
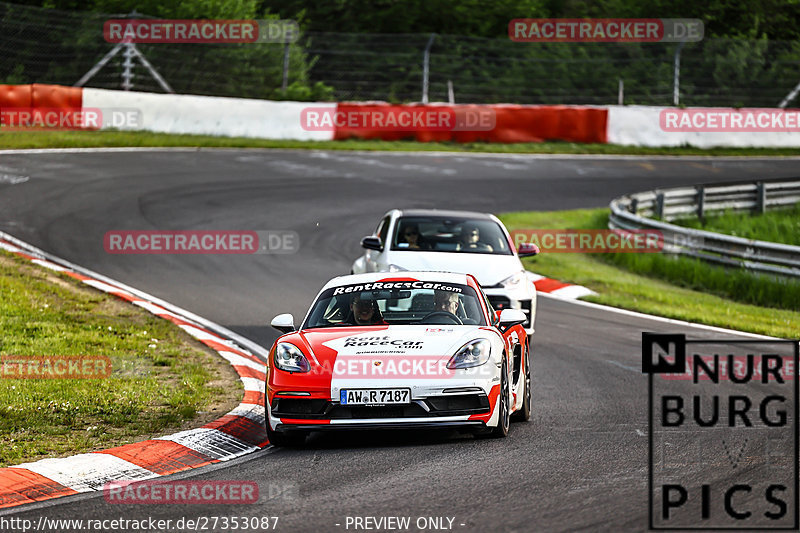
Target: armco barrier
x,y
631,212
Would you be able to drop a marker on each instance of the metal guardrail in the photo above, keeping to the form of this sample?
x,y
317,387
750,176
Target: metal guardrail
x,y
632,211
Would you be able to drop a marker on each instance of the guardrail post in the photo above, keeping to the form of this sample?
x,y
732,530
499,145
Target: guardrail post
x,y
660,205
761,197
701,200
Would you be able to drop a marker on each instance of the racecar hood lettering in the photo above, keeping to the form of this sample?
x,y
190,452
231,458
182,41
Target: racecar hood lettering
x,y
385,285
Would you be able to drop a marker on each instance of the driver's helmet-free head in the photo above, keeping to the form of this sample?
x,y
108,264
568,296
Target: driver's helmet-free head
x,y
445,301
364,308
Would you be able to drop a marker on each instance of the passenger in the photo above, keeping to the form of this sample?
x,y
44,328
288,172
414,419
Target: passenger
x,y
445,301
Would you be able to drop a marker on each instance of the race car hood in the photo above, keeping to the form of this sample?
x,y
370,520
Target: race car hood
x,y
489,269
330,343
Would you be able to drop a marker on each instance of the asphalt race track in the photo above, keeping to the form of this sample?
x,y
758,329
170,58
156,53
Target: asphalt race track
x,y
580,464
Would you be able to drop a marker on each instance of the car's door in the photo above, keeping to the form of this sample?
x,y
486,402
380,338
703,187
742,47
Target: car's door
x,y
375,260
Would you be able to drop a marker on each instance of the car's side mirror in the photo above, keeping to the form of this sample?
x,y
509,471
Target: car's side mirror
x,y
283,323
527,249
511,317
372,243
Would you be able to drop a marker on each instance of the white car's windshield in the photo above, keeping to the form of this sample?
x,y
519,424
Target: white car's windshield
x,y
449,234
399,302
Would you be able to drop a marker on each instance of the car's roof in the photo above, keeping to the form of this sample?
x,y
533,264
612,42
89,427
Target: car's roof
x,y
444,213
372,277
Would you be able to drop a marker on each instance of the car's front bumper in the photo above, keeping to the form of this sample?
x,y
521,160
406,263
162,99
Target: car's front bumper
x,y
473,410
365,425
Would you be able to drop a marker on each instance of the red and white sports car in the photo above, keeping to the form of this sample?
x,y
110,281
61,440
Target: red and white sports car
x,y
405,350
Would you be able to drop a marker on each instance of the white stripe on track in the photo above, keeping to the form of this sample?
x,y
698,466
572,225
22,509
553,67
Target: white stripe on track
x,y
211,442
88,471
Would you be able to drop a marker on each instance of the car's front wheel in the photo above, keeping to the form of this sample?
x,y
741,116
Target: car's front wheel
x,y
524,414
280,438
285,439
504,409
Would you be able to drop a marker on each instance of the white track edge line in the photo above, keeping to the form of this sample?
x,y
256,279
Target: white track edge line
x,y
673,321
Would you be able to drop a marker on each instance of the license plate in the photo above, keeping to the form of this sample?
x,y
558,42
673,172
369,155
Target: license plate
x,y
374,396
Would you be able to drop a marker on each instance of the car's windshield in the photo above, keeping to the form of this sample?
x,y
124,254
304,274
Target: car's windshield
x,y
399,302
449,234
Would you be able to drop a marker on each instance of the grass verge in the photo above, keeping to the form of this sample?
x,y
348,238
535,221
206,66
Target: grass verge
x,y
88,139
161,380
621,281
773,226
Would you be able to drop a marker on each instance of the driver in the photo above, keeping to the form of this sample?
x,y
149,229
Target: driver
x,y
445,301
365,312
471,239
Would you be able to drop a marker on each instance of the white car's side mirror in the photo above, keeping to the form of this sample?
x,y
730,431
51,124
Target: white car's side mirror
x,y
511,317
283,323
372,243
527,249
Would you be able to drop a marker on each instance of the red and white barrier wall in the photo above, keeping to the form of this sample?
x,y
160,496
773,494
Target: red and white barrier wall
x,y
240,117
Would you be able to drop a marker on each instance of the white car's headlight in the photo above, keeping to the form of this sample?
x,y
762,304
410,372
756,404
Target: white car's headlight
x,y
474,353
395,268
513,281
288,357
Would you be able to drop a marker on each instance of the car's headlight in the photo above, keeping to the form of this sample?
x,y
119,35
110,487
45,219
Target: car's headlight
x,y
288,357
513,281
395,268
474,353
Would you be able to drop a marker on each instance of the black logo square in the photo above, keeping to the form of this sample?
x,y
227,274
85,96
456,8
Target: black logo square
x,y
663,353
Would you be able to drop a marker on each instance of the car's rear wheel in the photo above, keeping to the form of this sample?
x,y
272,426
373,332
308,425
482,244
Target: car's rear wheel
x,y
524,414
504,416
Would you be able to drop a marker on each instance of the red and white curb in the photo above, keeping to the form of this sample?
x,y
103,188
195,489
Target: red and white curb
x,y
559,289
239,432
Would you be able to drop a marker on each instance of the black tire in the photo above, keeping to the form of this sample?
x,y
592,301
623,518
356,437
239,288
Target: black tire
x,y
524,414
281,439
289,440
504,418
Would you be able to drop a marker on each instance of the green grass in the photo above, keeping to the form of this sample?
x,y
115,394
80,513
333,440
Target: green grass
x,y
86,139
161,379
652,283
773,226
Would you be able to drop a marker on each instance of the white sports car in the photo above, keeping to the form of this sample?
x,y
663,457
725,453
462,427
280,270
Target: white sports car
x,y
419,349
454,241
